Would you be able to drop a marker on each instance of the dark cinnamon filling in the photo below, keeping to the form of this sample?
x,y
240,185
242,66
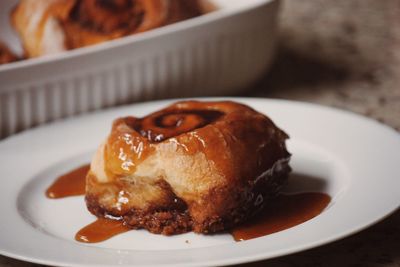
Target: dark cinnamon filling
x,y
108,16
163,125
116,5
168,216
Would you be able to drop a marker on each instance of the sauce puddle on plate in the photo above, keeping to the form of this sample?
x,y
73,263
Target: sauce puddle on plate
x,y
69,184
100,230
282,213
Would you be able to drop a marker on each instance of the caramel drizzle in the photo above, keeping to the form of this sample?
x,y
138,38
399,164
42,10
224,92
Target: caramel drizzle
x,y
70,184
100,230
284,212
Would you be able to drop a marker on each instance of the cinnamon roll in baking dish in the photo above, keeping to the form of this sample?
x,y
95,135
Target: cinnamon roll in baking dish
x,y
50,26
201,166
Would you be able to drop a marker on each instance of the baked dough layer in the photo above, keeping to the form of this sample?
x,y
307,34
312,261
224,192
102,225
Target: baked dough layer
x,y
201,166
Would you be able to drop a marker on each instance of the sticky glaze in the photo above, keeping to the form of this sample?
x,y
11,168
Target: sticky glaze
x,y
133,139
285,211
101,230
69,184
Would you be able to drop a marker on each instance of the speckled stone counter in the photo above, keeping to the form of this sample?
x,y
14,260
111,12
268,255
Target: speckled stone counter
x,y
345,54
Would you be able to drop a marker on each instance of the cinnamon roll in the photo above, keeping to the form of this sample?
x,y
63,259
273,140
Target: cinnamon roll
x,y
201,166
6,56
50,26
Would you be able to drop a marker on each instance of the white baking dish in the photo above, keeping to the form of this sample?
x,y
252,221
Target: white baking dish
x,y
214,54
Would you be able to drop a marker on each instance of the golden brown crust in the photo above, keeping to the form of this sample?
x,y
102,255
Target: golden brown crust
x,y
223,160
50,26
167,216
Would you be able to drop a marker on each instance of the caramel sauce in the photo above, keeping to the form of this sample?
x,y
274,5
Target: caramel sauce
x,y
133,139
69,184
100,230
284,212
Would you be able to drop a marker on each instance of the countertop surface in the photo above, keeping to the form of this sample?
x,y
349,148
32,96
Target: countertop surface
x,y
353,64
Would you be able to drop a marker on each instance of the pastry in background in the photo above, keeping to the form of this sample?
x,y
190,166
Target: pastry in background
x,y
201,166
51,26
6,56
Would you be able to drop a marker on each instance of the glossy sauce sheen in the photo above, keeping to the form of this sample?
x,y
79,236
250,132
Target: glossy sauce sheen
x,y
100,230
285,212
69,184
132,140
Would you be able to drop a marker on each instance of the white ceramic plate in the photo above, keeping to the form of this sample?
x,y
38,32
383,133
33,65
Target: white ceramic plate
x,y
353,159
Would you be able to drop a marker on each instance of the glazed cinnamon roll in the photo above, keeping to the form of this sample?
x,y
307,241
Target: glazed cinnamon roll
x,y
201,166
50,26
6,56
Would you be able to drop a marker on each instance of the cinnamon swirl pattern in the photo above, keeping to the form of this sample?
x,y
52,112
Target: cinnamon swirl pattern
x,y
201,166
51,26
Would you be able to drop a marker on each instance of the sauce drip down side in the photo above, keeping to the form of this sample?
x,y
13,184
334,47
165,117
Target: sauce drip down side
x,y
284,212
